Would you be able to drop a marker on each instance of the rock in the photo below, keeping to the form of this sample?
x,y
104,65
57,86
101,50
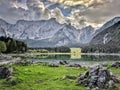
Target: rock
x,y
5,72
12,80
101,82
63,62
84,82
74,65
69,77
115,79
53,65
103,64
98,78
84,75
5,57
104,72
95,88
116,64
93,81
24,63
111,83
94,70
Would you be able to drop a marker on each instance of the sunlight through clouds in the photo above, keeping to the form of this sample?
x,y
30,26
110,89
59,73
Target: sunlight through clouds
x,y
79,13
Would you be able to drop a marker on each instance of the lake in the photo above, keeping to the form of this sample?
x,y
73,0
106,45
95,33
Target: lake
x,y
85,60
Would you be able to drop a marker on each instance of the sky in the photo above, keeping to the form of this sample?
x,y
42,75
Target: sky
x,y
79,13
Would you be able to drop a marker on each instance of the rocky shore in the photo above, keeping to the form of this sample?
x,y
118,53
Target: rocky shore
x,y
7,59
95,78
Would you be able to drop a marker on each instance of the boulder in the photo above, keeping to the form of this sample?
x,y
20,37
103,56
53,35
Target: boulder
x,y
98,77
53,65
84,75
111,84
63,62
94,70
74,65
5,72
12,80
116,65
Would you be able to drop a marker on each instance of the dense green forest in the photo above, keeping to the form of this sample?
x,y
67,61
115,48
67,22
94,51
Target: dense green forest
x,y
55,49
9,45
108,48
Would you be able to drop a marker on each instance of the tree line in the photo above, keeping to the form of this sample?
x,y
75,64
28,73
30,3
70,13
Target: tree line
x,y
54,49
108,48
9,45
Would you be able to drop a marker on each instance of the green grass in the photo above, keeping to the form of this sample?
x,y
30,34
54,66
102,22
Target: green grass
x,y
39,77
116,71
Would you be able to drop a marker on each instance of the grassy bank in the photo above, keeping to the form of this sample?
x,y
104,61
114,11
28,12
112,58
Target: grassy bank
x,y
41,77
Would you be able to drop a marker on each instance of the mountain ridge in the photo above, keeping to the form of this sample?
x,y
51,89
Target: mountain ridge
x,y
46,30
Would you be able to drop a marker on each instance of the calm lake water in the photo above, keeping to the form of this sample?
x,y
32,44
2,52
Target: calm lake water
x,y
85,60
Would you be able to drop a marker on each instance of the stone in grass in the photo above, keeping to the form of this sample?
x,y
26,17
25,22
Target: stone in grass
x,y
53,65
83,76
116,65
69,77
5,72
98,77
74,65
11,80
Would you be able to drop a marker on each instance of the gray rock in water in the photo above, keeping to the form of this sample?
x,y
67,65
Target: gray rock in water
x,y
5,72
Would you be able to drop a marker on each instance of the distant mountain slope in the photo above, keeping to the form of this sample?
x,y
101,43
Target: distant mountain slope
x,y
110,35
108,39
48,33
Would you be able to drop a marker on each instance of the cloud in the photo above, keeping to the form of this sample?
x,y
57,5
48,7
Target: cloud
x,y
78,13
83,2
101,14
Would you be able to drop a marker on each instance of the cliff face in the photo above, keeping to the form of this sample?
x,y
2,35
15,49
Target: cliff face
x,y
46,33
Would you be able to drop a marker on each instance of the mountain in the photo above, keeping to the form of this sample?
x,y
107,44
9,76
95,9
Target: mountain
x,y
108,33
107,25
109,37
46,33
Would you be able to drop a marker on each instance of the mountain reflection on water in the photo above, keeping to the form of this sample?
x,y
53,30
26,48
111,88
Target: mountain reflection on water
x,y
83,60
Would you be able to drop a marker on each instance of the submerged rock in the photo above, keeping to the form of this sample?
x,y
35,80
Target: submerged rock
x,y
5,72
98,77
